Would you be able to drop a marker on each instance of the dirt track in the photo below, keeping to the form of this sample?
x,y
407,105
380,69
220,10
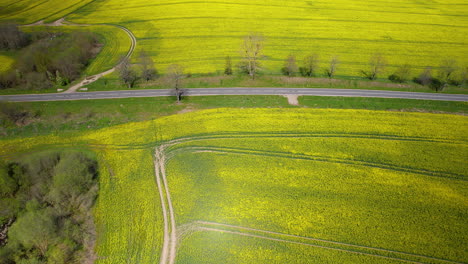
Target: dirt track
x,y
93,78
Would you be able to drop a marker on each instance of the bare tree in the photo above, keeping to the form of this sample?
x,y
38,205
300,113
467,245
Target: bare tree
x,y
377,64
446,70
126,73
331,70
148,72
425,77
252,48
228,66
175,73
463,76
402,74
290,66
310,65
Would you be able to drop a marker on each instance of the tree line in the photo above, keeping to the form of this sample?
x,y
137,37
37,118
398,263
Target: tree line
x,y
46,59
448,72
45,214
251,51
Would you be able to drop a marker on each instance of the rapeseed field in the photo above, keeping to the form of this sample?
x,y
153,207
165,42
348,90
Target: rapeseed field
x,y
284,185
200,34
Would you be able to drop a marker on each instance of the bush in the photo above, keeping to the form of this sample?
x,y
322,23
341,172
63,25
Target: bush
x,y
401,75
57,59
8,185
46,229
13,112
437,85
11,37
395,78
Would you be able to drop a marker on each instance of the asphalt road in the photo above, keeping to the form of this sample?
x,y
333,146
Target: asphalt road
x,y
234,91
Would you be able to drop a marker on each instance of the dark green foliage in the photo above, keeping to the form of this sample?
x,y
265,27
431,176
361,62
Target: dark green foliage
x,y
426,79
36,229
437,85
49,205
9,208
53,59
8,185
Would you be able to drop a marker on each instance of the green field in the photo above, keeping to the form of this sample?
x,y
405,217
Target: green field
x,y
200,34
280,185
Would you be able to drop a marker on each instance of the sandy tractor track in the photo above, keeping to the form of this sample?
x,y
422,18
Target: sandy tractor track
x,y
62,22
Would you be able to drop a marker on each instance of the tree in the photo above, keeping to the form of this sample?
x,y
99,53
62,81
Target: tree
x,y
377,64
310,65
290,66
176,74
252,48
446,70
228,66
8,185
332,67
401,75
426,79
11,37
35,228
148,72
126,73
463,76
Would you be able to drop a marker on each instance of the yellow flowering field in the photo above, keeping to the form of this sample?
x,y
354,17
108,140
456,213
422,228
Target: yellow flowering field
x,y
200,34
30,11
284,185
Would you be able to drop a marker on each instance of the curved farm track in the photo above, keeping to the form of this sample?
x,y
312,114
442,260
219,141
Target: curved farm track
x,y
93,78
173,235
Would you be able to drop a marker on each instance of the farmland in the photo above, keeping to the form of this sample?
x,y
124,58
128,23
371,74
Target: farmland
x,y
31,11
347,186
200,34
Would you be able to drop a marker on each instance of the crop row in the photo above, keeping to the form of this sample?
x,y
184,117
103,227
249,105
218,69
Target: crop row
x,y
30,11
195,35
339,202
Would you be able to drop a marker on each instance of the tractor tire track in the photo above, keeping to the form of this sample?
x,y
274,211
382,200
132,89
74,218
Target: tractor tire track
x,y
157,171
174,142
220,226
387,166
168,254
302,243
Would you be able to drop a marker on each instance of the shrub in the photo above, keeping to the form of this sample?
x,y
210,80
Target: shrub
x,y
11,37
401,75
290,67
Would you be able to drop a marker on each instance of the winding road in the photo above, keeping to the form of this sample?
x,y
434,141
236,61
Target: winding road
x,y
235,91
